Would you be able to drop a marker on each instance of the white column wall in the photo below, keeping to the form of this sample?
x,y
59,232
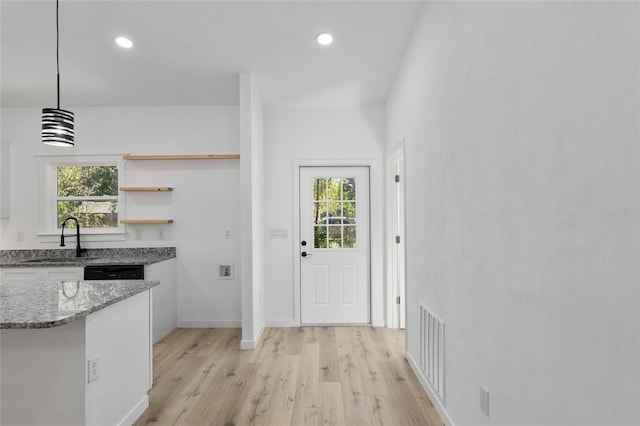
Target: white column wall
x,y
252,217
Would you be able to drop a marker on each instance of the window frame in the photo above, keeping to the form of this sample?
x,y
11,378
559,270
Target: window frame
x,y
48,166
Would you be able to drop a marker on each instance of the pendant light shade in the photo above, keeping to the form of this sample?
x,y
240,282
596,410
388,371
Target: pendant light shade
x,y
57,124
57,127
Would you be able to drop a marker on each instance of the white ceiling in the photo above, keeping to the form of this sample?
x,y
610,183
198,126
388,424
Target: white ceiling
x,y
190,52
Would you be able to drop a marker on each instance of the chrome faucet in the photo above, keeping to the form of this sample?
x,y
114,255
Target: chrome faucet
x,y
78,249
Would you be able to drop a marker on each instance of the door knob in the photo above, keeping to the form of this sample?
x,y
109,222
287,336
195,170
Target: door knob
x,y
305,254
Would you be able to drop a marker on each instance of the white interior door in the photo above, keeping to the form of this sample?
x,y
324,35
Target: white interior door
x,y
334,245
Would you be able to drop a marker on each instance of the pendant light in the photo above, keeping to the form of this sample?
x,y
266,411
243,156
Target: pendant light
x,y
57,124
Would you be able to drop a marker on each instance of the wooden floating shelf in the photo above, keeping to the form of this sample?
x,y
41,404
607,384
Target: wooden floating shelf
x,y
182,157
146,221
145,188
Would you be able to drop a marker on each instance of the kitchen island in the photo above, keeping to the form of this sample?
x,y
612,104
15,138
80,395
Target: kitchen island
x,y
54,265
75,352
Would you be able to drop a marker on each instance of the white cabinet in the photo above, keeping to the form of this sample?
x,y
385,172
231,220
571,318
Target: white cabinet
x,y
47,274
24,275
62,274
164,296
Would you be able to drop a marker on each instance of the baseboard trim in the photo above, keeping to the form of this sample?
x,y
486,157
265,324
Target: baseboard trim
x,y
281,323
251,344
210,324
135,412
430,393
247,345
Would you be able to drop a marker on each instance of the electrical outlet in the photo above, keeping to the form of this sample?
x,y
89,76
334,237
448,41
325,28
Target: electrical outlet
x,y
20,236
161,234
93,366
137,234
227,234
484,400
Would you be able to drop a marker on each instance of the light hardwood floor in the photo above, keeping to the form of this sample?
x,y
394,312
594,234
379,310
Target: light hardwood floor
x,y
297,376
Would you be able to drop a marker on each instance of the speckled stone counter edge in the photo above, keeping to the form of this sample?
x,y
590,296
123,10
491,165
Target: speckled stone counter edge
x,y
93,256
121,290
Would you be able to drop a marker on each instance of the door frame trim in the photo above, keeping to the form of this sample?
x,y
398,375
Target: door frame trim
x,y
395,287
376,214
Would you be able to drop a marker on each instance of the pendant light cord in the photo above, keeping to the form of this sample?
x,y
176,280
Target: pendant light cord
x,y
58,52
57,124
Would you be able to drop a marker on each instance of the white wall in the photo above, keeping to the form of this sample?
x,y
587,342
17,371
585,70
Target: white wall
x,y
204,203
521,134
314,133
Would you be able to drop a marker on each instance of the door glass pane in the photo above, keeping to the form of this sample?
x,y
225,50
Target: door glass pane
x,y
349,212
349,233
349,189
320,237
319,212
334,189
335,237
319,189
335,213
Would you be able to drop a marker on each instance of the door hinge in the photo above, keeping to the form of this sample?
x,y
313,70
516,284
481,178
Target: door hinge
x,y
397,239
397,178
397,300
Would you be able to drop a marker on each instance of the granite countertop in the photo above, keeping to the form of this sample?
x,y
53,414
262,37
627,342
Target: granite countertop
x,y
93,256
47,305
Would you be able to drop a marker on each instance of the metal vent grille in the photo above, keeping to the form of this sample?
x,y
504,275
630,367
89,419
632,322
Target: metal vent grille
x,y
432,349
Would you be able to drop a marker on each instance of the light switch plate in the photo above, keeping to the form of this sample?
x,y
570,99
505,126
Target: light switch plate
x,y
279,233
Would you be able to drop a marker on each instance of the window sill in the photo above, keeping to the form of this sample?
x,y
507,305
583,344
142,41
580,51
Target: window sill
x,y
48,237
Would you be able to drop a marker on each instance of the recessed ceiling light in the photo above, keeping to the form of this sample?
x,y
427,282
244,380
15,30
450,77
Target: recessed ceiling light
x,y
124,42
324,39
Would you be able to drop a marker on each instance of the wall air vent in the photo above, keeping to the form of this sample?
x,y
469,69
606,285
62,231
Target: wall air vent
x,y
432,350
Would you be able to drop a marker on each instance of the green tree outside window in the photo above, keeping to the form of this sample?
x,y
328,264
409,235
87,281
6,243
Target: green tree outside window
x,y
89,193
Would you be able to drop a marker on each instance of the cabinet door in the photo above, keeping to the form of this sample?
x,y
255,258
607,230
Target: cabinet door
x,y
20,275
62,274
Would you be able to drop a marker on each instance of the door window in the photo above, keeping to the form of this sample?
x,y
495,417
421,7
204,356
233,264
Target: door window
x,y
334,213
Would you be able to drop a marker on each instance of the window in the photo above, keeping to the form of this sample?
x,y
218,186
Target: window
x,y
334,212
85,187
89,193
